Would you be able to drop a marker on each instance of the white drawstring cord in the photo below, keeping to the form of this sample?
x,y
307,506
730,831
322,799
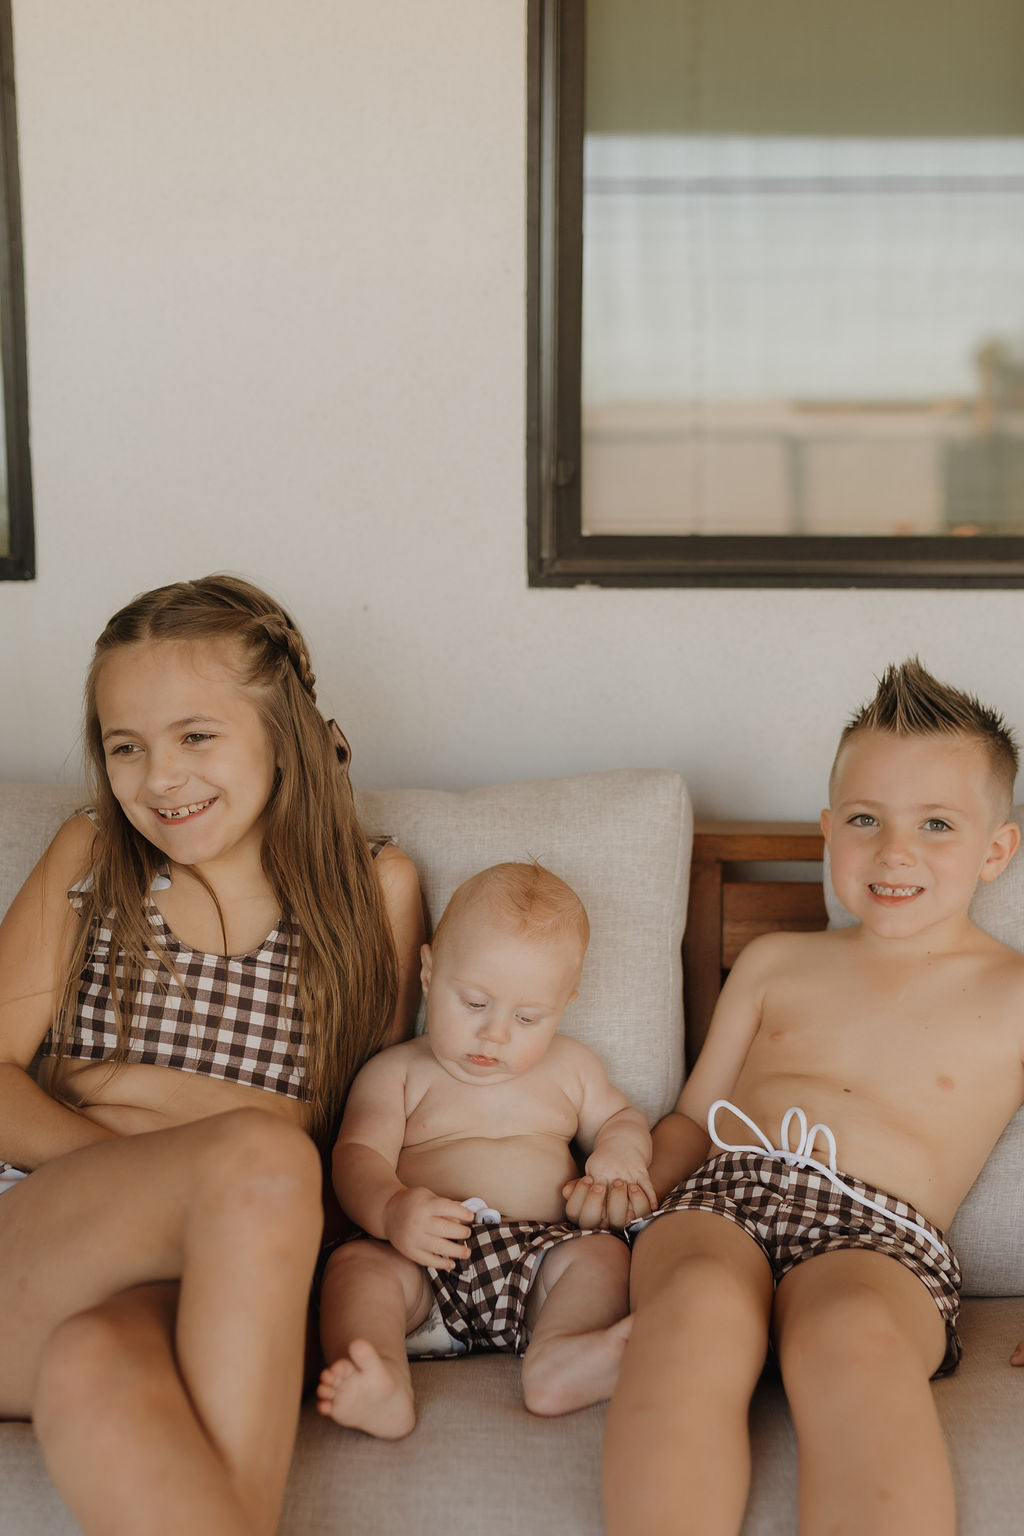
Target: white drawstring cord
x,y
800,1157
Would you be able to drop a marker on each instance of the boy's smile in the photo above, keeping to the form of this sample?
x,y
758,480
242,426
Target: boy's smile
x,y
915,823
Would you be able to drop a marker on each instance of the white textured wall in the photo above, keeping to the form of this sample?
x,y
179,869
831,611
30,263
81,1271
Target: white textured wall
x,y
275,272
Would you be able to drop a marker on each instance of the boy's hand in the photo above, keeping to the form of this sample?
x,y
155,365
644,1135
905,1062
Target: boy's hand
x,y
1017,1358
596,1206
427,1228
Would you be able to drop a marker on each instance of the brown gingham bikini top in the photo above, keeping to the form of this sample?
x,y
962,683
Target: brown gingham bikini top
x,y
231,1016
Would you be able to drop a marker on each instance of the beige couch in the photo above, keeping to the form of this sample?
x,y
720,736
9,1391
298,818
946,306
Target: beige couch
x,y
477,1462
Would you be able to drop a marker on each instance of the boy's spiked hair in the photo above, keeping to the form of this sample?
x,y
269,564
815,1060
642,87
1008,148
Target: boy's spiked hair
x,y
910,702
524,898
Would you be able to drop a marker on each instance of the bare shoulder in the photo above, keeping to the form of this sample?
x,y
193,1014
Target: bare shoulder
x,y
396,871
64,864
394,1062
770,953
571,1058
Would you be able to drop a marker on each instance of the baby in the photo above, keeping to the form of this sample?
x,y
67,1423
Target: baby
x,y
454,1157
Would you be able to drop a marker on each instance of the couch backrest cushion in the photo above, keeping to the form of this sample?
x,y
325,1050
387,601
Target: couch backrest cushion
x,y
29,816
622,841
988,1232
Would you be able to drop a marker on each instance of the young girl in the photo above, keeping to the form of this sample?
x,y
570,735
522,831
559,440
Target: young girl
x,y
188,981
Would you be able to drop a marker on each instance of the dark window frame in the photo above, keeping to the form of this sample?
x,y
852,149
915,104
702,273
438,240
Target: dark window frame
x,y
19,565
558,553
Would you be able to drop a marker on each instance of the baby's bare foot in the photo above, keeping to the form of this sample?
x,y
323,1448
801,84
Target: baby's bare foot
x,y
573,1370
368,1392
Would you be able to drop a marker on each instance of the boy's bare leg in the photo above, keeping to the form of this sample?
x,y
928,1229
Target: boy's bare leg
x,y
677,1449
858,1336
580,1299
230,1207
371,1298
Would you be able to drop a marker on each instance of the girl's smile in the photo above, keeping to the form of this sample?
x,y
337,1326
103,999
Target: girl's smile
x,y
186,750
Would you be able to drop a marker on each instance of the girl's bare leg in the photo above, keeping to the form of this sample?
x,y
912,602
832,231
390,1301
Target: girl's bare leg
x,y
371,1298
858,1337
131,1455
230,1207
581,1302
677,1450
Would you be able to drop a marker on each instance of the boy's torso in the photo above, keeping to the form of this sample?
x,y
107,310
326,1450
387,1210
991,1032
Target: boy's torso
x,y
507,1142
914,1062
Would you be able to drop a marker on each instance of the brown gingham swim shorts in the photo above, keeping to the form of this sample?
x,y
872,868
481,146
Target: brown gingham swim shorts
x,y
482,1300
795,1213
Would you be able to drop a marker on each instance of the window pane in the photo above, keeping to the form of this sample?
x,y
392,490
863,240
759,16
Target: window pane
x,y
803,289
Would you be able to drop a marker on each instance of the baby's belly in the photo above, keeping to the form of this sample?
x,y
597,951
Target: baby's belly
x,y
520,1176
132,1098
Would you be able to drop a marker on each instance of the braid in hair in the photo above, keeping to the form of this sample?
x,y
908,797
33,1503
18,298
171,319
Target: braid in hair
x,y
285,638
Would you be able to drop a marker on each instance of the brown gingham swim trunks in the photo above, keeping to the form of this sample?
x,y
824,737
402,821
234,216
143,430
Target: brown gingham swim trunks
x,y
795,1213
482,1300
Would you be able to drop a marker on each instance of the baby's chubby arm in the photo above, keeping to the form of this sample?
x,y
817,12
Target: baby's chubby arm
x,y
423,1226
616,1178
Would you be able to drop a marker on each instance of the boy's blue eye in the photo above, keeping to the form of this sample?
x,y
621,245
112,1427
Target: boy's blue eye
x,y
936,824
862,819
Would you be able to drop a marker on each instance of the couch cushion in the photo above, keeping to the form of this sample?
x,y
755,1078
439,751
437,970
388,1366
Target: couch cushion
x,y
29,816
622,841
988,1232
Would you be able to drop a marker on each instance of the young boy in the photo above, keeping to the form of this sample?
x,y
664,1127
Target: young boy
x,y
904,1036
484,1106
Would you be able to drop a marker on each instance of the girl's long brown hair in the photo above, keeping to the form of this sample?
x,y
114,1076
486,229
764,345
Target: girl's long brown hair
x,y
314,852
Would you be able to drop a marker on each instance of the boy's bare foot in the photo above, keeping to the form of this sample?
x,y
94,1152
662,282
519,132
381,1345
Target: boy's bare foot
x,y
367,1392
573,1370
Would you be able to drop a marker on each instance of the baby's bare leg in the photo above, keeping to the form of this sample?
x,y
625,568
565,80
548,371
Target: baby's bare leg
x,y
230,1207
858,1337
580,1300
677,1450
371,1298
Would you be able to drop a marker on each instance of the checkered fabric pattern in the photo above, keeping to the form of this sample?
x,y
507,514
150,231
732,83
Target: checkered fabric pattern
x,y
233,1016
795,1214
483,1299
230,1016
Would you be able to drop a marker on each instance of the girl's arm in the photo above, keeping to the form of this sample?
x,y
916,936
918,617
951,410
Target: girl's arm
x,y
36,938
403,899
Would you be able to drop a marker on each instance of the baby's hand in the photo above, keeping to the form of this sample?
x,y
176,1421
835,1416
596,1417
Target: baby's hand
x,y
1017,1358
593,1205
611,1164
427,1228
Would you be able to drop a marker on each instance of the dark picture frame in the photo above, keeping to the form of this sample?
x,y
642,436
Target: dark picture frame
x,y
559,554
19,563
